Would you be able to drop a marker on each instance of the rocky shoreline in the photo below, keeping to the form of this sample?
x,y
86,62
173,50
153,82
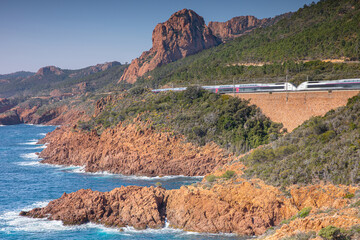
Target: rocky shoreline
x,y
224,202
134,149
236,205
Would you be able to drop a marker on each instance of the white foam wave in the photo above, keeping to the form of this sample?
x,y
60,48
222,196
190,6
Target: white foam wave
x,y
32,156
32,163
42,134
14,223
165,230
30,142
81,170
38,125
38,147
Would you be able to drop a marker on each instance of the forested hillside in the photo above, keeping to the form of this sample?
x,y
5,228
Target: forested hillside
x,y
322,149
47,79
201,116
328,29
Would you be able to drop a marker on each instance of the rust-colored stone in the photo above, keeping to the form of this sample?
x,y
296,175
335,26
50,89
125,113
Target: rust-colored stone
x,y
134,149
140,207
185,33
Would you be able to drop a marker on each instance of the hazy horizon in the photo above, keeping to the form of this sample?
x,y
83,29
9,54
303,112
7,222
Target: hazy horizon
x,y
78,34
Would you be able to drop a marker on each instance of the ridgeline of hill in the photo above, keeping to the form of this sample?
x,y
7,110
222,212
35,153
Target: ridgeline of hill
x,y
293,46
100,77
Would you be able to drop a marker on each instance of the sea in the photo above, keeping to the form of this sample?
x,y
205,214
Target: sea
x,y
25,183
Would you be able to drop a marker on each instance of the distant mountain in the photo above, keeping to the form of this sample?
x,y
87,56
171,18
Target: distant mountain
x,y
50,78
6,78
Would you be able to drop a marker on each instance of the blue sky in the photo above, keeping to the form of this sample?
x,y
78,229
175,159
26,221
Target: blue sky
x,y
73,34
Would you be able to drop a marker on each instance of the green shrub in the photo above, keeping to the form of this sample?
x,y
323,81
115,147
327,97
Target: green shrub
x,y
332,233
301,236
228,174
210,178
304,212
349,195
138,90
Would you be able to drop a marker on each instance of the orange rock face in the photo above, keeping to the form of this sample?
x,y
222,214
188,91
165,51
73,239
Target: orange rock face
x,y
135,149
140,207
246,208
185,33
226,206
238,26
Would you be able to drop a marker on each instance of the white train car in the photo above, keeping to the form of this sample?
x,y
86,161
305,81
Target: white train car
x,y
329,85
256,87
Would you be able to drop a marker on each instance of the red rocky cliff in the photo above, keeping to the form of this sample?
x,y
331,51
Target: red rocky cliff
x,y
185,33
238,26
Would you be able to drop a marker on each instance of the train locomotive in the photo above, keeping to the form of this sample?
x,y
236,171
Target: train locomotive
x,y
343,84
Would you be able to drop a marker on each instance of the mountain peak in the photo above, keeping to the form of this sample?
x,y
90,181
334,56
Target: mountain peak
x,y
49,70
183,34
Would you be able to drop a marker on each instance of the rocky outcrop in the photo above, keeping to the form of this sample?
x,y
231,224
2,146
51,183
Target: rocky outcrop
x,y
236,26
134,149
241,25
185,33
140,207
49,70
23,113
245,208
225,206
93,69
6,104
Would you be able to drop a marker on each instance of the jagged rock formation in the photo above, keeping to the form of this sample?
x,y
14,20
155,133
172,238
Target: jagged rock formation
x,y
49,70
234,206
238,26
135,149
185,33
140,207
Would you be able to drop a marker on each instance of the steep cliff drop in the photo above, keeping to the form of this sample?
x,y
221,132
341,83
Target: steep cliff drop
x,y
185,33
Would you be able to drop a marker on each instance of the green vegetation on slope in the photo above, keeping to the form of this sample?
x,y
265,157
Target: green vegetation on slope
x,y
326,30
198,114
322,149
35,85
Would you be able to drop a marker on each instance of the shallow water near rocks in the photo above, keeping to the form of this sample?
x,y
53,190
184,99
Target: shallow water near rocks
x,y
25,184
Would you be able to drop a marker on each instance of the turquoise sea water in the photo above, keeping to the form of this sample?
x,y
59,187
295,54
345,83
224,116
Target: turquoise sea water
x,y
26,184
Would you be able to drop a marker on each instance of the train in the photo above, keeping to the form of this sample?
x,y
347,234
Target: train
x,y
343,84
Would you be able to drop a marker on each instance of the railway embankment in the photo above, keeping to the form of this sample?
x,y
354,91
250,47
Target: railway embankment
x,y
293,108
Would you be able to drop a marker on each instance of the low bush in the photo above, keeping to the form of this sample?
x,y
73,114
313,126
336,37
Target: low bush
x,y
332,233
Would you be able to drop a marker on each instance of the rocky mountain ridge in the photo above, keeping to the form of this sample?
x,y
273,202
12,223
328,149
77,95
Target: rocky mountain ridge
x,y
241,25
185,33
47,78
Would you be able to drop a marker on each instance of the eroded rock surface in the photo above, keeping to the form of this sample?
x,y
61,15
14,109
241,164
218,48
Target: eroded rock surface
x,y
140,207
183,34
134,149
